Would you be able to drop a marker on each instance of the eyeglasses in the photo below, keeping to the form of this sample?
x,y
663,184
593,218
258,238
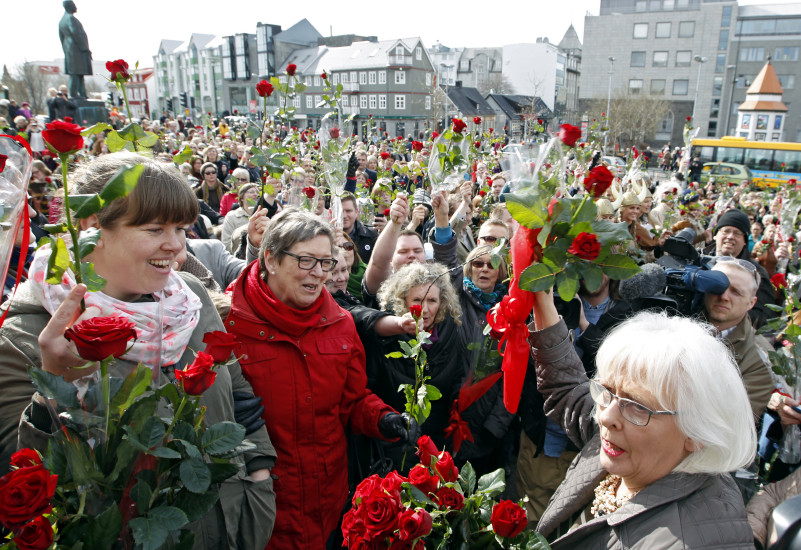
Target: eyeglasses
x,y
745,264
731,232
243,180
634,412
308,262
347,245
488,239
209,173
478,264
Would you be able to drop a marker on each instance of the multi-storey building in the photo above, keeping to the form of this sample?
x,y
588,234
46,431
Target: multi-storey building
x,y
568,71
389,81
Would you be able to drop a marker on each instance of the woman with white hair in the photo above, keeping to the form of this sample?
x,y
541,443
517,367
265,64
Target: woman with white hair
x,y
661,425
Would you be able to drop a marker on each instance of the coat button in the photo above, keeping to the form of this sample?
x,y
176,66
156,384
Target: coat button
x,y
272,336
261,333
231,323
323,318
244,357
308,399
344,346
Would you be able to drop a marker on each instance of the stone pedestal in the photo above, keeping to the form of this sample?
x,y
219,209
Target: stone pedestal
x,y
90,111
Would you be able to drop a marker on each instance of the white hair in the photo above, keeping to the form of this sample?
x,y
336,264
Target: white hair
x,y
690,371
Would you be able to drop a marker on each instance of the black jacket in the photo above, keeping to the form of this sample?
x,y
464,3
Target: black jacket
x,y
364,237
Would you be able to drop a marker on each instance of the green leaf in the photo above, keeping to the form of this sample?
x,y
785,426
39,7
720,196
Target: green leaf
x,y
152,432
115,143
88,240
104,529
195,506
96,129
609,232
122,183
170,392
526,209
54,387
134,385
168,517
258,160
222,437
537,277
147,533
394,355
148,141
566,285
467,479
92,280
583,227
220,471
165,452
554,257
132,132
618,266
184,431
492,483
88,207
55,228
432,393
195,475
592,274
183,156
253,132
406,348
588,211
537,542
58,262
141,494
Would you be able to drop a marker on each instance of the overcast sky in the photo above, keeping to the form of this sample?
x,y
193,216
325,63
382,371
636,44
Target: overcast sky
x,y
132,30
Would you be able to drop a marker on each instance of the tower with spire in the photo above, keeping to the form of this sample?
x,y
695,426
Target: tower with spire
x,y
761,116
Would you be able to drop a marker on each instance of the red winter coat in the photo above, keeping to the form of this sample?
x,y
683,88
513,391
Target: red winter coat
x,y
313,387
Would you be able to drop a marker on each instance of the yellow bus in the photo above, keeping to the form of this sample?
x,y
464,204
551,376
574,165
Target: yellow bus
x,y
772,163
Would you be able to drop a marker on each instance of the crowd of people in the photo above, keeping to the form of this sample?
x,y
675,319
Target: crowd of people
x,y
654,411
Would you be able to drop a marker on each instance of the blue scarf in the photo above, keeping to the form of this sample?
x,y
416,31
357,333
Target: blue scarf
x,y
486,299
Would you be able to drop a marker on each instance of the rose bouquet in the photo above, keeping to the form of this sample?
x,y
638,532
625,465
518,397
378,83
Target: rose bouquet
x,y
436,506
449,160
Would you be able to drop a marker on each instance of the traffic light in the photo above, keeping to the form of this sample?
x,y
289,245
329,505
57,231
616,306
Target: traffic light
x,y
169,105
183,100
110,98
192,102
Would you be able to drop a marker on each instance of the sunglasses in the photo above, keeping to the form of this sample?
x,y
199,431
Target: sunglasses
x,y
347,245
209,173
243,180
478,264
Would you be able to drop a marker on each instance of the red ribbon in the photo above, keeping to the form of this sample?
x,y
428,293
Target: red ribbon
x,y
457,428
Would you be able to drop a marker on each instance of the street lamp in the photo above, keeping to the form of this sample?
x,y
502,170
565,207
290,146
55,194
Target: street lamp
x,y
701,61
609,99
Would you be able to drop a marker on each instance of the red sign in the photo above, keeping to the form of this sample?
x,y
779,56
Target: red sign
x,y
49,69
254,105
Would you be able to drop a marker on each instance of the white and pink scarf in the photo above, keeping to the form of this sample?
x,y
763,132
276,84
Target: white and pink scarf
x,y
164,326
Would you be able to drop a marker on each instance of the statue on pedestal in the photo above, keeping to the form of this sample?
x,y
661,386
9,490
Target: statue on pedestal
x,y
77,56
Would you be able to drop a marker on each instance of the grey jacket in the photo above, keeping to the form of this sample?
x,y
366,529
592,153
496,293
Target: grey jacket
x,y
244,515
212,253
678,511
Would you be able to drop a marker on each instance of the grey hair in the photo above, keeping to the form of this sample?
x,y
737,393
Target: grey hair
x,y
392,294
288,227
688,370
240,172
485,251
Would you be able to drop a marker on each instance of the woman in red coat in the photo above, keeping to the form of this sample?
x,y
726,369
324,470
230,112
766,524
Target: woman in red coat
x,y
301,354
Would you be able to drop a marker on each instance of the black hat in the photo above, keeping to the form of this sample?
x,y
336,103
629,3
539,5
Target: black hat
x,y
735,218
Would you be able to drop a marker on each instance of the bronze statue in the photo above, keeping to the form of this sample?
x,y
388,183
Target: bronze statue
x,y
77,56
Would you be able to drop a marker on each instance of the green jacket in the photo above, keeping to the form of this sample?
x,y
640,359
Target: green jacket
x,y
245,513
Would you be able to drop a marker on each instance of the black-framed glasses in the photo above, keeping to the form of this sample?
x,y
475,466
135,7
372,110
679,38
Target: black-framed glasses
x,y
210,173
308,262
347,245
243,180
634,412
488,239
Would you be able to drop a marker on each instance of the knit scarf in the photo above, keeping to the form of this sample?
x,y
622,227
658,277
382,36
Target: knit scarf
x,y
486,299
267,307
163,326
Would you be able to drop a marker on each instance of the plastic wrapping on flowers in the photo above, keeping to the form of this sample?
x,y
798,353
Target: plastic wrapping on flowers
x,y
448,162
14,177
536,170
334,153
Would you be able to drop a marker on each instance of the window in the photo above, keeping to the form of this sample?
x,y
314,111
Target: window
x,y
354,77
335,79
660,59
400,77
641,6
725,18
362,77
789,53
363,101
686,29
658,86
635,86
638,59
717,86
344,78
464,65
296,102
680,87
309,101
640,30
714,110
372,102
345,101
683,58
428,79
787,81
317,80
723,40
720,62
371,77
317,100
400,102
399,51
418,53
752,54
382,77
382,102
428,102
663,30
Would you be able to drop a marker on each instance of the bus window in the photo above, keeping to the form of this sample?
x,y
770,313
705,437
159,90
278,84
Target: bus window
x,y
790,159
758,159
705,154
730,154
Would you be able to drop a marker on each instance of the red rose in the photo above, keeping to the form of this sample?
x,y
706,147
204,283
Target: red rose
x,y
399,544
426,451
417,145
315,147
434,135
3,159
539,121
324,76
63,137
386,212
779,281
291,68
24,458
569,134
459,125
392,482
24,494
219,345
197,377
491,130
482,193
384,155
477,144
236,111
420,477
35,535
446,468
689,118
309,192
477,120
366,487
598,181
118,70
447,497
585,246
334,132
413,524
381,512
508,519
353,525
416,310
98,338
790,239
264,88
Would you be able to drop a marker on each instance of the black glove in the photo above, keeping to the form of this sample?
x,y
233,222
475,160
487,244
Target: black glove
x,y
394,425
247,411
353,164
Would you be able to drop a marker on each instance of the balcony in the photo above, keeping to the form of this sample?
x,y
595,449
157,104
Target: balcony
x,y
403,60
350,86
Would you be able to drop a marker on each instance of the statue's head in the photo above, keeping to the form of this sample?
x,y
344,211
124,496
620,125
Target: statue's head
x,y
69,6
